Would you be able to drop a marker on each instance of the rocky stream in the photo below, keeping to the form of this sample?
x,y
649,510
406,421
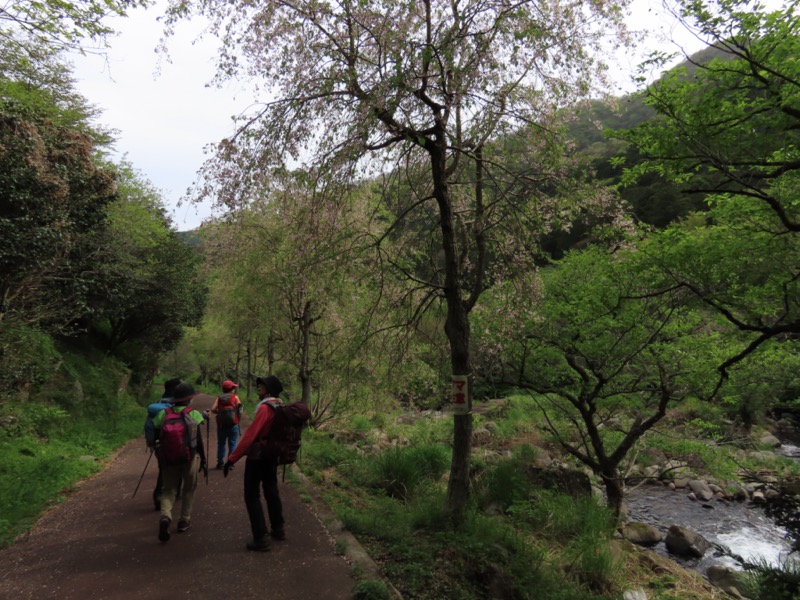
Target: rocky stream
x,y
759,526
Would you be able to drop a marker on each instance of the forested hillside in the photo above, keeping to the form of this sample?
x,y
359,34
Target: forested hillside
x,y
95,284
432,211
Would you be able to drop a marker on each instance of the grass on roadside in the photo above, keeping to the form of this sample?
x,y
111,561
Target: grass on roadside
x,y
60,436
388,487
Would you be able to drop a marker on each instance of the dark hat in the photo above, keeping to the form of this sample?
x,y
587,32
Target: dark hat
x,y
272,383
228,385
183,393
169,386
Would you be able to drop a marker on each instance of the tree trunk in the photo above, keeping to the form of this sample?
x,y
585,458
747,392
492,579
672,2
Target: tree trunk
x,y
457,330
615,494
305,322
249,375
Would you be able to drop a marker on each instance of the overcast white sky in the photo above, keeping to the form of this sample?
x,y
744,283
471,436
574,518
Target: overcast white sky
x,y
165,119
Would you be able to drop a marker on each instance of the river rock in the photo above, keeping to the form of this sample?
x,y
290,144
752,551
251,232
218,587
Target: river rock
x,y
543,459
758,497
639,594
792,485
701,490
763,455
8,421
741,494
769,440
652,472
726,579
481,435
685,542
641,534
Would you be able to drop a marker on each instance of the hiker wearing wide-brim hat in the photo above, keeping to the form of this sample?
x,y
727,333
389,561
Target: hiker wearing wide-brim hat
x,y
149,434
228,409
179,446
261,472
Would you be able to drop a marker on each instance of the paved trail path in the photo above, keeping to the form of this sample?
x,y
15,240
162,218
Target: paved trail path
x,y
102,543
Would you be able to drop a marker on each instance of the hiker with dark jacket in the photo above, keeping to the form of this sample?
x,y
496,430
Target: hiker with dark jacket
x,y
228,409
179,447
260,471
149,433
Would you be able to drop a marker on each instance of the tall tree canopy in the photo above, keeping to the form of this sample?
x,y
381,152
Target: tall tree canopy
x,y
730,130
86,245
53,198
417,84
59,23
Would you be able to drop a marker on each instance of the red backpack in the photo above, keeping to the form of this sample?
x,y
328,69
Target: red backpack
x,y
177,440
227,411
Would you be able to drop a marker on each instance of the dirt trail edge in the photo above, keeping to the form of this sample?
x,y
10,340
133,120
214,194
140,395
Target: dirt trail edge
x,y
102,543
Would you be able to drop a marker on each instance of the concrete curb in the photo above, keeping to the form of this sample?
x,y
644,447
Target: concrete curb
x,y
353,550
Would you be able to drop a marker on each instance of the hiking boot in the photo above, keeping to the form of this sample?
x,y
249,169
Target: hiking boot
x,y
163,529
219,466
261,545
183,525
278,534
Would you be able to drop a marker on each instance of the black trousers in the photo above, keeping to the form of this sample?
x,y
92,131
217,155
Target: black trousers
x,y
260,474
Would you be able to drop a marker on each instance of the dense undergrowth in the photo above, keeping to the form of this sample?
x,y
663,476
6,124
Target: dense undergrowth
x,y
386,481
61,433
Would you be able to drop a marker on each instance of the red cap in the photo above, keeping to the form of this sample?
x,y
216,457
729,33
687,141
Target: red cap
x,y
228,385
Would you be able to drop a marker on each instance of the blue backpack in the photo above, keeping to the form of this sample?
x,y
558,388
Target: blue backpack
x,y
149,428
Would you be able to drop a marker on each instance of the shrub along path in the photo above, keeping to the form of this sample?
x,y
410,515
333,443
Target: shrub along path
x,y
102,543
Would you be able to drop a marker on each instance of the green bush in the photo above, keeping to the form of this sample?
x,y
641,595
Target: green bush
x,y
503,483
593,562
371,589
399,471
320,451
430,431
565,518
57,440
360,423
518,417
770,582
44,419
27,355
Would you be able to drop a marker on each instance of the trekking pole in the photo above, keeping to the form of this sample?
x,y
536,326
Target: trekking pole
x,y
143,472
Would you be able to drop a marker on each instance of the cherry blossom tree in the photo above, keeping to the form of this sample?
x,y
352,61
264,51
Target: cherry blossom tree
x,y
358,89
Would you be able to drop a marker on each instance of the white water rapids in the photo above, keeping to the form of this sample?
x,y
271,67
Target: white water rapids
x,y
741,527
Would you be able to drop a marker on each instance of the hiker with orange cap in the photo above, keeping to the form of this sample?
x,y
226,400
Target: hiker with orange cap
x,y
228,409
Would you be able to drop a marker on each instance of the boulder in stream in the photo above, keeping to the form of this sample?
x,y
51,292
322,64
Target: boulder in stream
x,y
727,579
701,490
641,534
685,542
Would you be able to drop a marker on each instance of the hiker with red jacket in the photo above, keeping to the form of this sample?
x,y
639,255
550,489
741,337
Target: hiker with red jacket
x,y
261,471
228,409
179,447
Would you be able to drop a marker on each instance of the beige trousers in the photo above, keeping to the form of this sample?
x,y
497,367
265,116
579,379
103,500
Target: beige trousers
x,y
172,474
